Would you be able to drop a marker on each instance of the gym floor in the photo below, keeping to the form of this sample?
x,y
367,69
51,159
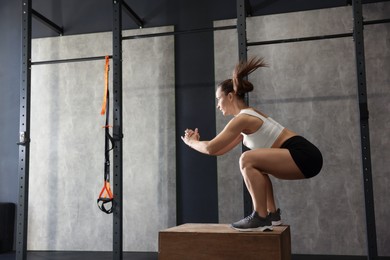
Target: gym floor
x,y
72,255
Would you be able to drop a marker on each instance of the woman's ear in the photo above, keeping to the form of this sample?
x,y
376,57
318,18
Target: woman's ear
x,y
230,96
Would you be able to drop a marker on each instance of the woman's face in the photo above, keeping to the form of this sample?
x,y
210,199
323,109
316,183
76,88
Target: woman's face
x,y
222,101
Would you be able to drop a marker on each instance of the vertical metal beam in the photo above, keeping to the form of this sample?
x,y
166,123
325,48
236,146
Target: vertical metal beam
x,y
242,56
364,129
24,130
117,132
241,29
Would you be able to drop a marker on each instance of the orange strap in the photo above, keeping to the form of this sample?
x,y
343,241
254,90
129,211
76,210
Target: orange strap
x,y
106,191
106,70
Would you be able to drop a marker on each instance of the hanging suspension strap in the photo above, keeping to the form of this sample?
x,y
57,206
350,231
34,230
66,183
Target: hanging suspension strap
x,y
105,200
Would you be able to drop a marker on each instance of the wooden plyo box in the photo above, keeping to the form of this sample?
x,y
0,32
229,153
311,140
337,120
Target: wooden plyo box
x,y
220,241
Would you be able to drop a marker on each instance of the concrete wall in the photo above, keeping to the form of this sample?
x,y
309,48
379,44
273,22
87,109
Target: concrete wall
x,y
311,88
67,149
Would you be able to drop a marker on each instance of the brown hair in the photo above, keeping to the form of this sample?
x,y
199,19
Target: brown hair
x,y
237,83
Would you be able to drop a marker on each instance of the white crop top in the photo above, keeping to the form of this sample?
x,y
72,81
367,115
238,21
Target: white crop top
x,y
266,135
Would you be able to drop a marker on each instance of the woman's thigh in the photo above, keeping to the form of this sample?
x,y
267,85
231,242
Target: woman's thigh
x,y
275,161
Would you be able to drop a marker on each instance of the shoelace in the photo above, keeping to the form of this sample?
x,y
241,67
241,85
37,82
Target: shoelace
x,y
251,216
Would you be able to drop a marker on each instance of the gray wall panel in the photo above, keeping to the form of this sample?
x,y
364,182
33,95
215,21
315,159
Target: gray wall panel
x,y
300,24
67,149
149,151
377,40
310,87
318,103
66,157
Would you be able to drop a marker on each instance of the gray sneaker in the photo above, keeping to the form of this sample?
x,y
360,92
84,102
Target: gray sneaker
x,y
253,222
275,218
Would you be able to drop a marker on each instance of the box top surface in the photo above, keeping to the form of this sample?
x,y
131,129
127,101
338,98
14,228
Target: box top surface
x,y
219,228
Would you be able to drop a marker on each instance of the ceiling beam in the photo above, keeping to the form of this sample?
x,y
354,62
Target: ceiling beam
x,y
132,15
47,22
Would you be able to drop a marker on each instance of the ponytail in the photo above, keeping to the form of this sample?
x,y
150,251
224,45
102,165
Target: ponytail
x,y
242,70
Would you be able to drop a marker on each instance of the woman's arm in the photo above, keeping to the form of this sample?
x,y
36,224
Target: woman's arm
x,y
229,147
229,137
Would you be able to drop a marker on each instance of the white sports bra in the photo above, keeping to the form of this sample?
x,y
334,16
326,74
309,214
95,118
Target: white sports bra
x,y
266,135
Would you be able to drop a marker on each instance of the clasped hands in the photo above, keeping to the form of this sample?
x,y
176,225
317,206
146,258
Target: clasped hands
x,y
190,135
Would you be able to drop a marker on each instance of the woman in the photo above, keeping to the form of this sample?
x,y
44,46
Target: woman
x,y
275,150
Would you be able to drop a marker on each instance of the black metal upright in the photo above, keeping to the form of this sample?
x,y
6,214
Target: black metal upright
x,y
242,8
364,129
24,131
241,29
117,131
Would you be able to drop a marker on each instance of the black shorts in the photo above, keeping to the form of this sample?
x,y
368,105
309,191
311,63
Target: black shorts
x,y
305,154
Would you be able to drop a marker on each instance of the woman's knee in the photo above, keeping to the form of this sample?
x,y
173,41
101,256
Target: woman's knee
x,y
246,160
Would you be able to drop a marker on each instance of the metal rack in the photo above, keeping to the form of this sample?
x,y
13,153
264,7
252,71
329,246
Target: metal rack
x,y
25,100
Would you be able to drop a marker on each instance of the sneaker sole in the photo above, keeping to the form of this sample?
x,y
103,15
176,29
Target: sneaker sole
x,y
258,229
276,223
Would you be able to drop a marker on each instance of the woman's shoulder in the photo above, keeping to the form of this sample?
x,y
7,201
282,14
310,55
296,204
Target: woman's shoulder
x,y
253,112
250,120
239,122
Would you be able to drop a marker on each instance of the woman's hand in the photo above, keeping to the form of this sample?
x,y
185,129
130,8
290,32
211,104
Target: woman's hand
x,y
190,135
192,139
